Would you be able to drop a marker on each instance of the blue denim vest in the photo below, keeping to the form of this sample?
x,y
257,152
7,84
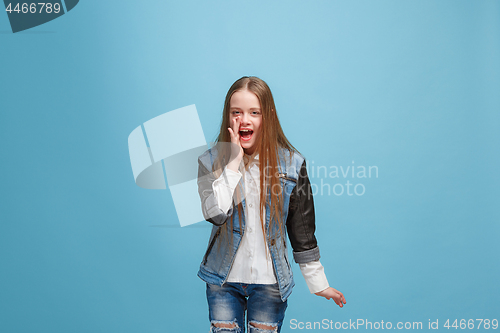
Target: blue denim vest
x,y
219,258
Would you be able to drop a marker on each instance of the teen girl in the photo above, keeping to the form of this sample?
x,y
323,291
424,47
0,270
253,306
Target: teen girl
x,y
254,189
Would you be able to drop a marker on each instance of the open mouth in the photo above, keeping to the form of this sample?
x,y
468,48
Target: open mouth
x,y
246,134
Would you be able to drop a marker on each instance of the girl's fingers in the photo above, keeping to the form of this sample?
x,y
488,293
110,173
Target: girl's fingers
x,y
236,124
234,137
342,298
234,130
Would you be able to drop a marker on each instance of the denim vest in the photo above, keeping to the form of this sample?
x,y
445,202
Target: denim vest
x,y
219,258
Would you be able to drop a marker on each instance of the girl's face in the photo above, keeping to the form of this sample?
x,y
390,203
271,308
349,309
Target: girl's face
x,y
245,105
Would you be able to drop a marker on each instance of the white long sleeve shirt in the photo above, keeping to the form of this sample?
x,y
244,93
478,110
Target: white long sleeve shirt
x,y
253,264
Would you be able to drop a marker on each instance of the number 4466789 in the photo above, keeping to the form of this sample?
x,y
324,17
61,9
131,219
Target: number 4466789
x,y
471,324
33,8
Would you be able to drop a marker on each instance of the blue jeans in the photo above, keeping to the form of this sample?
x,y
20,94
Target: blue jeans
x,y
262,303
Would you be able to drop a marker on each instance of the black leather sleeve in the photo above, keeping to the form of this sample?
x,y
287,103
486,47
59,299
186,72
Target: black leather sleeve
x,y
300,222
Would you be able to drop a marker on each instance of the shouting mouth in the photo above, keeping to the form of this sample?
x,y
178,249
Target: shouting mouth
x,y
246,134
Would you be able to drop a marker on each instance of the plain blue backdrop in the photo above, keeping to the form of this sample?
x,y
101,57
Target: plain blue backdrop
x,y
411,87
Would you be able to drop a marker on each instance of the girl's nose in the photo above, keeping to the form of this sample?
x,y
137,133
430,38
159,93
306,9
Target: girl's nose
x,y
244,118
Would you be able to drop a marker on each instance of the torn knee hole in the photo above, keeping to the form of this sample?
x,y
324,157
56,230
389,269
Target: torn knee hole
x,y
228,324
263,326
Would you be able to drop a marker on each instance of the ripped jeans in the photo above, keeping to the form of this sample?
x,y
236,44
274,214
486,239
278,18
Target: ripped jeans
x,y
262,303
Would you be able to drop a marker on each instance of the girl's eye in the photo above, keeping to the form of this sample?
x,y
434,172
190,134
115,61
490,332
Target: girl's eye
x,y
235,112
256,112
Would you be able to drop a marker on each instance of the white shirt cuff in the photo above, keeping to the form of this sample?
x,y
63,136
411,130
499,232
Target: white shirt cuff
x,y
314,274
224,186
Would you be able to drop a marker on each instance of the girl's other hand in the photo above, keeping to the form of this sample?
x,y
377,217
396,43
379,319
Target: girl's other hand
x,y
337,296
236,149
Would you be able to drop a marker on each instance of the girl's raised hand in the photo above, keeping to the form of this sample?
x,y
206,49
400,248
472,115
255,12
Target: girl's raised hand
x,y
236,149
337,296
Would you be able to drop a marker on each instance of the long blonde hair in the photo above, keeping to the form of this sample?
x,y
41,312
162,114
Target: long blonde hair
x,y
271,138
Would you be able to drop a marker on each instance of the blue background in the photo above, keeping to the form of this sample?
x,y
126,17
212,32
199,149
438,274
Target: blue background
x,y
411,87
